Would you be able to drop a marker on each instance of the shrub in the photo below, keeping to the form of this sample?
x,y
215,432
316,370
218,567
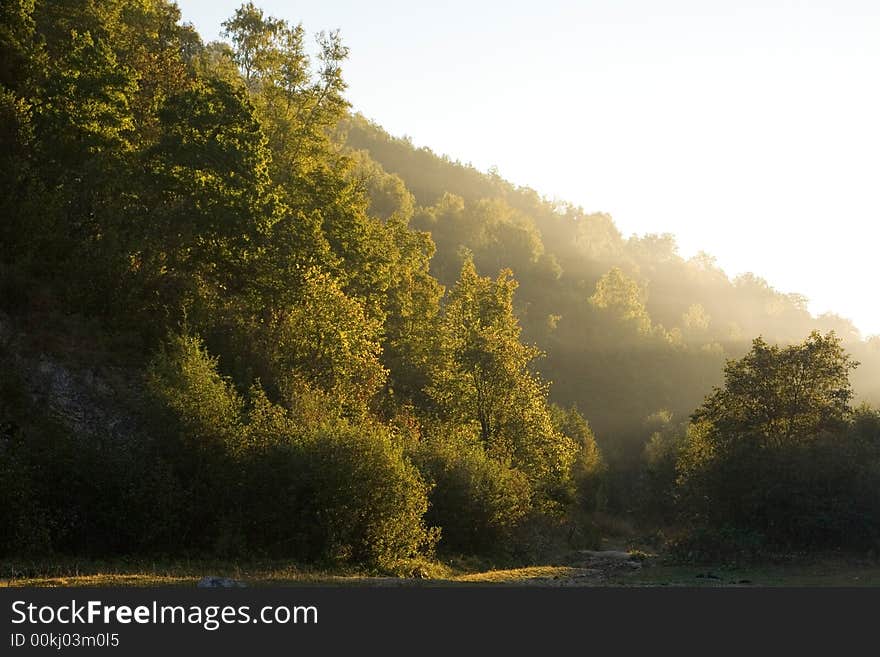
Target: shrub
x,y
367,500
203,406
343,493
478,502
197,423
293,482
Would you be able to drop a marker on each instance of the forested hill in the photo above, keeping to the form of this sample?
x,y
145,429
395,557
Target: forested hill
x,y
628,325
238,319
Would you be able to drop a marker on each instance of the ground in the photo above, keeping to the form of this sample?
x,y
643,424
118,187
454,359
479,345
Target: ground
x,y
584,568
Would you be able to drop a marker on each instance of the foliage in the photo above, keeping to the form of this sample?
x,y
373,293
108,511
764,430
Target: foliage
x,y
325,326
482,379
589,468
658,468
478,501
773,451
184,378
328,339
622,296
259,478
363,501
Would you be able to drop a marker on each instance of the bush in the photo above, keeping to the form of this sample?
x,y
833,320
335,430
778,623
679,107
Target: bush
x,y
363,502
203,407
197,422
478,502
292,482
341,494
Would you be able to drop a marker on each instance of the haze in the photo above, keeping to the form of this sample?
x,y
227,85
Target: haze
x,y
749,132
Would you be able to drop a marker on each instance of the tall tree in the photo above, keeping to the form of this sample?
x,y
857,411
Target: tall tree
x,y
483,377
779,395
765,454
213,207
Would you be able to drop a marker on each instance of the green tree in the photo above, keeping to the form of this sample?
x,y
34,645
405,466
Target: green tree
x,y
622,296
212,206
255,41
483,378
589,469
297,108
388,195
412,311
758,459
781,395
328,339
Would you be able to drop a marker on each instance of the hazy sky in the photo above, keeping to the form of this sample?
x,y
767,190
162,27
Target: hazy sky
x,y
749,130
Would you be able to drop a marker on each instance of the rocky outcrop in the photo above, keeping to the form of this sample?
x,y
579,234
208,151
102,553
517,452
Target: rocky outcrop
x,y
83,401
88,399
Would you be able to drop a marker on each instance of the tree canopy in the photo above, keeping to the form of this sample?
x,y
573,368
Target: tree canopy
x,y
325,343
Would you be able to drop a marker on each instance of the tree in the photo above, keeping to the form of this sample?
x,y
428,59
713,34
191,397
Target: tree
x,y
781,395
211,206
589,467
763,457
328,339
623,297
412,308
255,40
696,320
297,108
483,378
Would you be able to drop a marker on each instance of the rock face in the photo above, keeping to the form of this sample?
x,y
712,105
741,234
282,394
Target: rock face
x,y
81,399
90,399
214,582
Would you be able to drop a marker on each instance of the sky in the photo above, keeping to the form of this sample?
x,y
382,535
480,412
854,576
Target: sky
x,y
749,130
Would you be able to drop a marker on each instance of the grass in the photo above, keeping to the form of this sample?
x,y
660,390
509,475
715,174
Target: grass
x,y
525,575
654,571
170,573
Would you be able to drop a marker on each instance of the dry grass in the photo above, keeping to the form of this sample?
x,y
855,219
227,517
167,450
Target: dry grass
x,y
520,575
102,579
833,572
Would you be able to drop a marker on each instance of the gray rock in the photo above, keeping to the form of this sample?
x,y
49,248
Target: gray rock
x,y
214,582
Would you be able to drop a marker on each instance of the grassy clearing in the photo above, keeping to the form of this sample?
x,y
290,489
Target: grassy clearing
x,y
654,571
527,575
152,573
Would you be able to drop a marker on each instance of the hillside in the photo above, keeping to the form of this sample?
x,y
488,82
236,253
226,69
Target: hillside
x,y
622,345
239,321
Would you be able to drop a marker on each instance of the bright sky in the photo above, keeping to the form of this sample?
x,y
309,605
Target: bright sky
x,y
750,130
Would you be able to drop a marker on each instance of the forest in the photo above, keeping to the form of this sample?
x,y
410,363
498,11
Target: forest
x,y
238,319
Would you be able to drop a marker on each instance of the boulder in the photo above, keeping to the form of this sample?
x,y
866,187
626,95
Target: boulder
x,y
214,582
